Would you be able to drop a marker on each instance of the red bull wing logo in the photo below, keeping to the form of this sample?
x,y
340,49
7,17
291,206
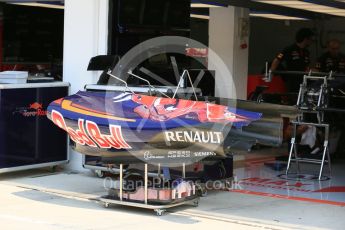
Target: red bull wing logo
x,y
88,133
33,110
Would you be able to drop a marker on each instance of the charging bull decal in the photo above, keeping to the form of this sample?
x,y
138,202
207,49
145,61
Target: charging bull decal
x,y
164,109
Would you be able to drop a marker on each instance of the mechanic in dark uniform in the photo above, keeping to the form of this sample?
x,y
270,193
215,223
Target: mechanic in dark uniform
x,y
294,58
333,59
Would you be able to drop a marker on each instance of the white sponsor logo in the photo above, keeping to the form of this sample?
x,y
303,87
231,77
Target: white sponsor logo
x,y
194,136
179,154
204,154
148,156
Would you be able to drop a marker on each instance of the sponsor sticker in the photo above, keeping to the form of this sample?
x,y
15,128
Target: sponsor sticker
x,y
150,156
207,137
33,110
179,154
88,133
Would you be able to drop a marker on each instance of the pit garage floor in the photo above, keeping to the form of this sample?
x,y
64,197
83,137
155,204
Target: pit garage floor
x,y
40,199
261,174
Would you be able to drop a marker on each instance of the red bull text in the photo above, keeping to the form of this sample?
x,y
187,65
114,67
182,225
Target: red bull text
x,y
88,133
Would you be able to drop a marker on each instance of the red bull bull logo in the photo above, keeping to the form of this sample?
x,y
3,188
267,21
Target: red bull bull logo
x,y
36,106
164,109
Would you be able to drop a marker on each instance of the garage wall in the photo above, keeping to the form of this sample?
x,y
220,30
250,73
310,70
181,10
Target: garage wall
x,y
267,37
85,36
225,41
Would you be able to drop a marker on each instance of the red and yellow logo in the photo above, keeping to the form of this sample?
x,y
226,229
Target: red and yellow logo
x,y
33,110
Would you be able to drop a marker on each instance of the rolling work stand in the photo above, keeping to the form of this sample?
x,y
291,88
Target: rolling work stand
x,y
150,196
313,100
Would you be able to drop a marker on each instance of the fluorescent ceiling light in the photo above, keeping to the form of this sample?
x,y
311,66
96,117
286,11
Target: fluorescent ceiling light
x,y
200,16
39,5
203,5
306,6
275,16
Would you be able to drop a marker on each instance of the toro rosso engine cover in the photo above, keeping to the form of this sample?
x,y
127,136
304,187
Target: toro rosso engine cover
x,y
135,127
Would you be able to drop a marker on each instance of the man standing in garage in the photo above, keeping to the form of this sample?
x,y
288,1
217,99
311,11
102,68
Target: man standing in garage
x,y
295,58
333,59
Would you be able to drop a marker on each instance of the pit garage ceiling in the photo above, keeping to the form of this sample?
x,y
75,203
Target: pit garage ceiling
x,y
309,9
47,3
302,9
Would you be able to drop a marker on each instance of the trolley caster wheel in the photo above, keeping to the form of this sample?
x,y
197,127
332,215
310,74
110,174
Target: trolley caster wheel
x,y
228,185
99,173
53,169
106,205
204,193
159,212
196,203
